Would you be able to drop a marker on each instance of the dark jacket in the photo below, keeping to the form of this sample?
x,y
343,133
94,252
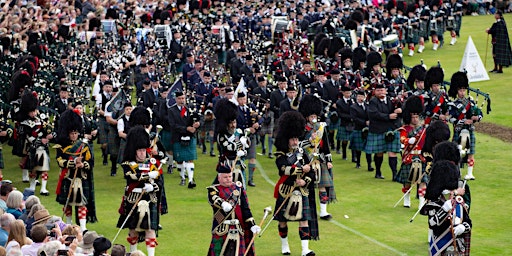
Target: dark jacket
x,y
378,113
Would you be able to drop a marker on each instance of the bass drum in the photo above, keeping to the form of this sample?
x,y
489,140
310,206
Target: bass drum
x,y
390,41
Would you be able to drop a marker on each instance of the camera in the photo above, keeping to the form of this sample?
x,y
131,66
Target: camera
x,y
63,252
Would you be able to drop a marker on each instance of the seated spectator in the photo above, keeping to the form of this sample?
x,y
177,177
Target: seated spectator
x,y
39,235
15,205
50,248
31,201
118,250
17,236
30,217
86,245
137,253
4,192
101,246
5,223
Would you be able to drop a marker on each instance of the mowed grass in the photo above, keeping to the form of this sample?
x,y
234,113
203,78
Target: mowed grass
x,y
373,226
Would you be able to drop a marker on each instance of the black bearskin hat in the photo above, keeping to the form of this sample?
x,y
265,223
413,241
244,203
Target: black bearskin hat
x,y
137,138
393,61
35,50
435,75
140,116
357,16
310,105
69,121
401,6
335,46
291,125
417,73
437,3
437,132
358,57
350,25
413,105
459,81
29,102
28,63
225,111
411,8
444,175
318,39
447,150
22,79
346,53
322,45
5,42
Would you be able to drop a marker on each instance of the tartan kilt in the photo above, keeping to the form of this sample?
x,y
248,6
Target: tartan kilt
x,y
403,174
356,141
333,126
185,153
122,146
377,144
266,129
472,141
1,158
343,134
113,140
415,38
165,138
102,130
218,241
306,210
251,151
326,178
131,223
64,191
423,31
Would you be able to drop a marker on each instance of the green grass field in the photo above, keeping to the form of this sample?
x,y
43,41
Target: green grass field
x,y
373,226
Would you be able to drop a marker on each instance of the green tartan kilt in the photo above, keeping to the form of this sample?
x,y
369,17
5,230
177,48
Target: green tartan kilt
x,y
165,137
306,210
113,140
132,221
343,134
415,37
403,174
185,153
1,158
377,144
333,126
122,146
64,191
326,177
102,130
356,140
472,141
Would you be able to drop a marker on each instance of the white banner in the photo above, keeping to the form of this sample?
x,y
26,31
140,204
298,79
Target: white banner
x,y
472,63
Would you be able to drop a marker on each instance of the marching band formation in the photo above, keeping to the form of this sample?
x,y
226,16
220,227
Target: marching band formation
x,y
305,79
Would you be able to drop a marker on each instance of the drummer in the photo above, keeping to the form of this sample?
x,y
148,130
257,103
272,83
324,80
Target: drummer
x,y
391,45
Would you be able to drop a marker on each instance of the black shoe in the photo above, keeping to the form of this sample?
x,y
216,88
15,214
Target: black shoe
x,y
251,184
212,154
170,169
270,156
493,71
371,169
38,183
499,71
44,193
263,152
326,217
311,253
113,174
204,152
379,177
358,166
191,184
160,227
354,160
105,160
182,183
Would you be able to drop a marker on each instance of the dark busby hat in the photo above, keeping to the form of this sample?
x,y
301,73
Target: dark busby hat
x,y
345,89
225,111
373,59
459,81
417,73
140,116
359,55
360,92
437,3
437,131
207,74
21,79
291,88
69,121
435,75
261,79
413,105
447,150
29,102
240,95
444,176
357,16
346,53
310,105
223,168
335,72
291,125
321,43
393,61
137,138
282,79
411,8
178,94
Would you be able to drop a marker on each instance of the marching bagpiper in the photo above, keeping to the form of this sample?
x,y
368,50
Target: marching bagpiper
x,y
437,25
454,19
437,102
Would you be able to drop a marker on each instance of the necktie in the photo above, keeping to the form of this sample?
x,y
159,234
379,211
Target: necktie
x,y
362,105
282,94
183,111
156,94
64,101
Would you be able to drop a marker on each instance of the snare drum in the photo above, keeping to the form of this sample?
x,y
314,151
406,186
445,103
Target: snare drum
x,y
390,41
377,44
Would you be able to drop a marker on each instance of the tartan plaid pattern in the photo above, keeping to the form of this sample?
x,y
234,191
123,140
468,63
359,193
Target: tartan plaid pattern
x,y
415,37
64,190
501,49
122,146
472,141
306,214
343,134
133,218
1,159
113,140
356,141
405,170
333,126
166,137
102,130
377,144
185,153
325,177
